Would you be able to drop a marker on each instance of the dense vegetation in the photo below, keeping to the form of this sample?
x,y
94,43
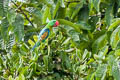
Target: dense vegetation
x,y
86,45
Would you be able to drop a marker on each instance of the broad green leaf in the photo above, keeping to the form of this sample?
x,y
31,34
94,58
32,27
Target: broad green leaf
x,y
92,76
18,27
90,61
93,21
61,13
85,54
101,71
4,28
1,8
45,2
117,52
21,77
111,60
37,17
114,24
11,15
83,14
115,71
35,37
62,3
99,43
78,7
17,78
91,5
103,52
56,9
46,15
70,9
77,27
118,2
74,35
23,71
30,74
115,38
10,78
109,15
66,41
96,5
45,59
5,2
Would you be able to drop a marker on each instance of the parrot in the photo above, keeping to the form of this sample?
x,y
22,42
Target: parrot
x,y
45,32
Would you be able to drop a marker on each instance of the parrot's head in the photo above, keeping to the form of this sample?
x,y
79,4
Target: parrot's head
x,y
53,23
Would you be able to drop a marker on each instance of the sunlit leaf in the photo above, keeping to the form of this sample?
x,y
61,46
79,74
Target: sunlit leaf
x,y
114,24
115,38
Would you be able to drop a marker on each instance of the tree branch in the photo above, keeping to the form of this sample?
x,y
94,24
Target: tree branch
x,y
71,1
22,12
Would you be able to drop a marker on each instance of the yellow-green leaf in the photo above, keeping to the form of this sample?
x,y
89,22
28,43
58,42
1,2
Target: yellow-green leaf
x,y
115,38
31,42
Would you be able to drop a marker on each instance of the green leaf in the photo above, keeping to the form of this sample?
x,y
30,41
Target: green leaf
x,y
117,52
92,76
18,27
11,15
61,13
10,78
21,77
83,14
109,15
45,2
37,17
114,24
56,9
45,59
115,38
91,5
118,2
78,7
99,43
4,28
101,71
115,71
103,52
1,8
46,15
85,54
77,27
96,5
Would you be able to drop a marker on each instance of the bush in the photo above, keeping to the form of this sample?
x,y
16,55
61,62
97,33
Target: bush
x,y
86,45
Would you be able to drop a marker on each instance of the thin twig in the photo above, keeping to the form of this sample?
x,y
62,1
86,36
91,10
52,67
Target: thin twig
x,y
22,12
71,1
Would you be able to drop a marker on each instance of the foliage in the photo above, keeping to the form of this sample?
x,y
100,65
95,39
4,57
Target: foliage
x,y
86,45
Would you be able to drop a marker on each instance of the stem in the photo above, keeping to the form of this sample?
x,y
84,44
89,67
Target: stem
x,y
22,12
71,1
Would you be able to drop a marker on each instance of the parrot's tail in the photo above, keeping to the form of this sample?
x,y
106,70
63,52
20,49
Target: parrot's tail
x,y
34,47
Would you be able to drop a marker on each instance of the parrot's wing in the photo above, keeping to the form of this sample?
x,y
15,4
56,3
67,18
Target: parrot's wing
x,y
44,35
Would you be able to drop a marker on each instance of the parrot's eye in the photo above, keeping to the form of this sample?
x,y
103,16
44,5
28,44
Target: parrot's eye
x,y
56,24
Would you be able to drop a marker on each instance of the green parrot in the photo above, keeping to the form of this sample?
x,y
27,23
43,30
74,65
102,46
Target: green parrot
x,y
45,32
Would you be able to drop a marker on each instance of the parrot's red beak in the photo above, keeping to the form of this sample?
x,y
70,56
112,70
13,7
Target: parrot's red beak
x,y
56,24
